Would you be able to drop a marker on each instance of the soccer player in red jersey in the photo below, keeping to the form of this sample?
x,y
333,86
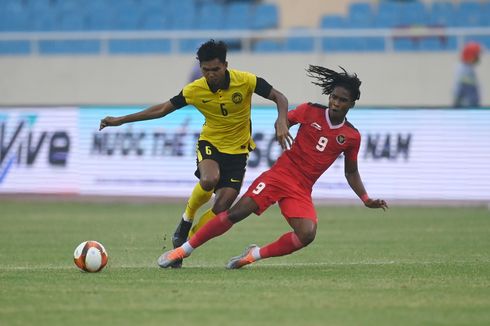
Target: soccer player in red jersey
x,y
323,135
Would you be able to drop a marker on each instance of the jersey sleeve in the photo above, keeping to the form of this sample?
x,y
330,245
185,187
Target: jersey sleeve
x,y
179,100
263,88
352,152
249,78
298,115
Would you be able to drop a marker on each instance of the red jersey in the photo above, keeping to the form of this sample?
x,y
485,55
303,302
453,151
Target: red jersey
x,y
317,145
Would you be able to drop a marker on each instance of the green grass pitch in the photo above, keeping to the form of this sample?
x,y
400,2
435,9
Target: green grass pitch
x,y
405,266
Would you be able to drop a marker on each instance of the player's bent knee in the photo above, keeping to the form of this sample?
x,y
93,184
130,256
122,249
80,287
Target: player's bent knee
x,y
304,229
208,183
306,237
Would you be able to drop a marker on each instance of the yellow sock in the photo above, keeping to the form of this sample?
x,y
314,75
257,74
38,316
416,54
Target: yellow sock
x,y
198,198
203,220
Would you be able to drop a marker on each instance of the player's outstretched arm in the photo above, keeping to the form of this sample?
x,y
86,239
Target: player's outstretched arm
x,y
282,129
355,182
153,112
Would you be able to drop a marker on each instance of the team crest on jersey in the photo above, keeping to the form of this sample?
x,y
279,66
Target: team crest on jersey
x,y
316,126
237,98
341,139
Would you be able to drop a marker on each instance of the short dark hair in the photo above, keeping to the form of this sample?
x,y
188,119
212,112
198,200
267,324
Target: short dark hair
x,y
328,79
211,50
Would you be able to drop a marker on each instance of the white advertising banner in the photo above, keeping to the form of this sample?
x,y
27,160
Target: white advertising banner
x,y
430,154
155,157
37,150
427,154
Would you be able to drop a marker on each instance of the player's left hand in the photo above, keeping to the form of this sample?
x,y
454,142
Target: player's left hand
x,y
282,134
376,203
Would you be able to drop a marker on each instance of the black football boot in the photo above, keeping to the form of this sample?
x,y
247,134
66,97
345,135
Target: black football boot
x,y
179,237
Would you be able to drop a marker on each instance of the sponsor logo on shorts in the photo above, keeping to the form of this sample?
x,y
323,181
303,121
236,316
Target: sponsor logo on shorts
x,y
235,180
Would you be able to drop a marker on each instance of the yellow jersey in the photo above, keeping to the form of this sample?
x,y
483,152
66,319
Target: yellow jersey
x,y
227,112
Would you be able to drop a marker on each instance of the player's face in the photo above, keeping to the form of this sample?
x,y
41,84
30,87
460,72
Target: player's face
x,y
214,72
339,103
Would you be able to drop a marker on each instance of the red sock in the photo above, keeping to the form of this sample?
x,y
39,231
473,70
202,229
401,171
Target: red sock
x,y
286,244
213,228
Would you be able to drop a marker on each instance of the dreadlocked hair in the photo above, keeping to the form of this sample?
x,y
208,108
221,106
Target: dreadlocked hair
x,y
328,79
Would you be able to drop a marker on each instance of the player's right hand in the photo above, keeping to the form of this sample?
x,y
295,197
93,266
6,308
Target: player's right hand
x,y
376,203
109,122
282,134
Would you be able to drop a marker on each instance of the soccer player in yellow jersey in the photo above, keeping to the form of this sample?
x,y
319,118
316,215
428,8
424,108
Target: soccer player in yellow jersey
x,y
224,97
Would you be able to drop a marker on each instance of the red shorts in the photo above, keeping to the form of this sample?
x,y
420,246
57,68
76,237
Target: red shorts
x,y
294,201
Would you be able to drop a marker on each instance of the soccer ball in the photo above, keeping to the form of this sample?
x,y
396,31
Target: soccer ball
x,y
90,256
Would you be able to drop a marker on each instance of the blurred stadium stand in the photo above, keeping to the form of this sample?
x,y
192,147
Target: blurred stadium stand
x,y
48,27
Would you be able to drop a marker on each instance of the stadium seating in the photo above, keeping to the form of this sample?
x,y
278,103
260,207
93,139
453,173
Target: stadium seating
x,y
299,44
14,48
436,13
190,45
333,21
265,16
238,16
188,15
484,40
442,13
265,46
407,14
78,15
139,46
210,16
69,47
360,15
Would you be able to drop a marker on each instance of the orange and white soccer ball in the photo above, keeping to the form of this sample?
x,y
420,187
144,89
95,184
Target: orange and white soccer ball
x,y
90,256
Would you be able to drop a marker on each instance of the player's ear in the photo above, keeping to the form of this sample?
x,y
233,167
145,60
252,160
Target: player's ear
x,y
226,64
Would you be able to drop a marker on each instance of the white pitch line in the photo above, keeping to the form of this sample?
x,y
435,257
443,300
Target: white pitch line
x,y
264,265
